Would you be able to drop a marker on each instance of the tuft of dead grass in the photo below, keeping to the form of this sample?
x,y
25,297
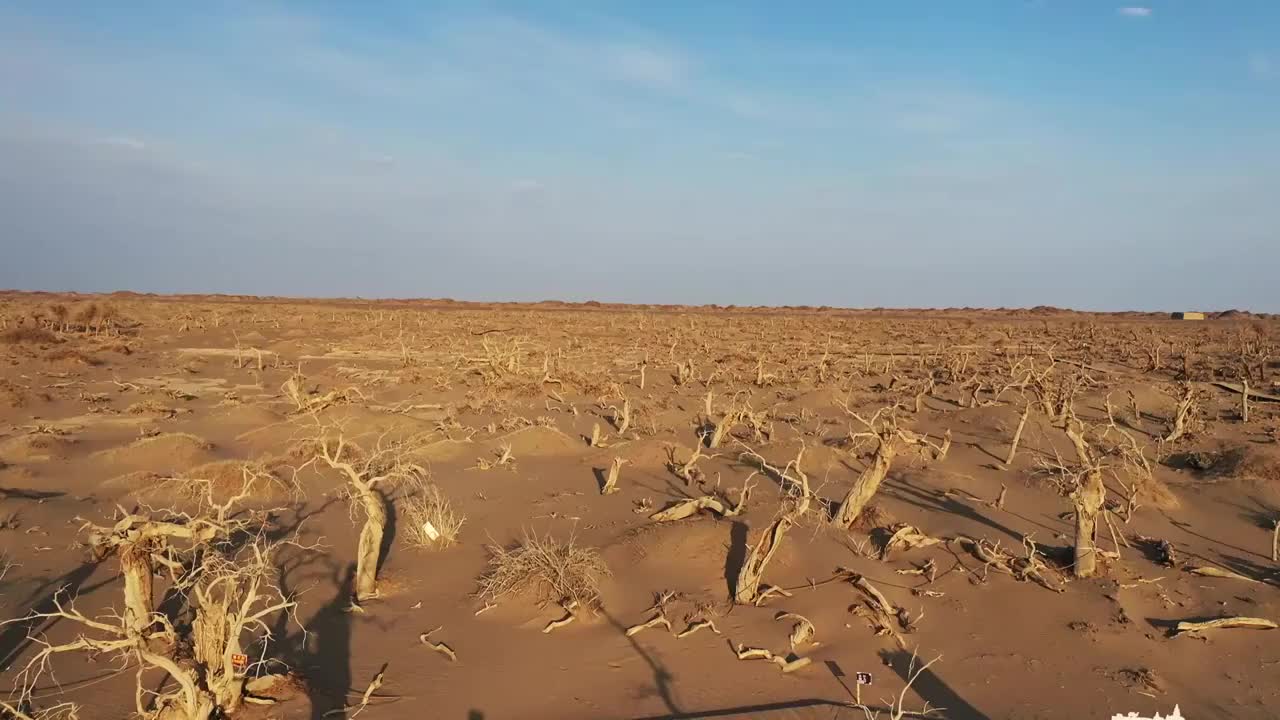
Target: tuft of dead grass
x,y
873,517
555,572
430,505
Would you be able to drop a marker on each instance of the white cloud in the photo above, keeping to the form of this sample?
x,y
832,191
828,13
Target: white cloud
x,y
1135,11
648,67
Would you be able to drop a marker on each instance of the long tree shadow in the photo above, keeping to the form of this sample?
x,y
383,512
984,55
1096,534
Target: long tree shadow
x,y
736,556
937,502
842,711
323,651
931,688
662,677
25,494
16,636
1186,528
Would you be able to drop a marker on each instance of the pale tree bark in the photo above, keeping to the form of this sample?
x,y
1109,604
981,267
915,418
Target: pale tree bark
x,y
865,487
1088,498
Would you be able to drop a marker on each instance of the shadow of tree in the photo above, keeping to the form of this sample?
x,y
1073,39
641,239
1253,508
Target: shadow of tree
x,y
931,688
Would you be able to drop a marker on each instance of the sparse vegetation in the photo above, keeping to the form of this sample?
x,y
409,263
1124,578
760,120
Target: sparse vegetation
x,y
902,470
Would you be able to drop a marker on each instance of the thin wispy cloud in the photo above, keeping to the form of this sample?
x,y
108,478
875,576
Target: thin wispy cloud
x,y
648,67
539,136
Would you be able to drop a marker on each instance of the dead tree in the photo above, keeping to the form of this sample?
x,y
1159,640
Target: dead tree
x,y
1017,434
1183,414
1088,498
143,540
365,474
889,441
232,599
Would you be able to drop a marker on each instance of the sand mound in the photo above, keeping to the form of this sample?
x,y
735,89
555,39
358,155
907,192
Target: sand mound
x,y
70,357
223,477
166,453
649,453
39,447
1248,464
249,416
12,396
536,441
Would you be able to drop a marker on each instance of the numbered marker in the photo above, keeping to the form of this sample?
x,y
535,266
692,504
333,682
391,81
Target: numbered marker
x,y
863,678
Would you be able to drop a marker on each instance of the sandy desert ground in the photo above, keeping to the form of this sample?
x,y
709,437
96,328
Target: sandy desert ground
x,y
185,480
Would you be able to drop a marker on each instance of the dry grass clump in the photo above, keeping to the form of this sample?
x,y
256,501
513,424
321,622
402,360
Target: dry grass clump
x,y
872,517
559,572
430,505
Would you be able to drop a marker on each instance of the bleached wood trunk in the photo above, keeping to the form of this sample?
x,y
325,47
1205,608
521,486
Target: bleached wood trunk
x,y
1088,499
748,584
865,487
135,566
370,547
1017,435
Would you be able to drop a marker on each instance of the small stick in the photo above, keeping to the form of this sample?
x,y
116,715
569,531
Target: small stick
x,y
1275,543
1017,434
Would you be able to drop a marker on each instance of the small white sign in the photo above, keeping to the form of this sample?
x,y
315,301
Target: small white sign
x,y
430,530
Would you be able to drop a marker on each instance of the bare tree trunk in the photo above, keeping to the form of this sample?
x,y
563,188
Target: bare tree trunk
x,y
370,547
1088,499
1017,434
1244,400
865,487
1181,414
748,585
135,566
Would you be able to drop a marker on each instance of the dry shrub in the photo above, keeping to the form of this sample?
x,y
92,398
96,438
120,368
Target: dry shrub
x,y
28,334
1154,493
145,407
565,573
429,504
873,516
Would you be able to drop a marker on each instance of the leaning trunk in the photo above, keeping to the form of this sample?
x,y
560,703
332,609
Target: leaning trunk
x,y
865,487
747,587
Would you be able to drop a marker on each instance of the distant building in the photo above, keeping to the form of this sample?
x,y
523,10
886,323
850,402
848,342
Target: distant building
x,y
1188,316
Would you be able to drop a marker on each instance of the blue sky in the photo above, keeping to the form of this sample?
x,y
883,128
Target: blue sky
x,y
891,153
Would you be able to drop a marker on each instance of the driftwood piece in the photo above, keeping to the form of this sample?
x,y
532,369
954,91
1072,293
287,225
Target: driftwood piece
x,y
802,632
689,508
1209,571
1225,623
696,626
748,584
788,663
907,537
